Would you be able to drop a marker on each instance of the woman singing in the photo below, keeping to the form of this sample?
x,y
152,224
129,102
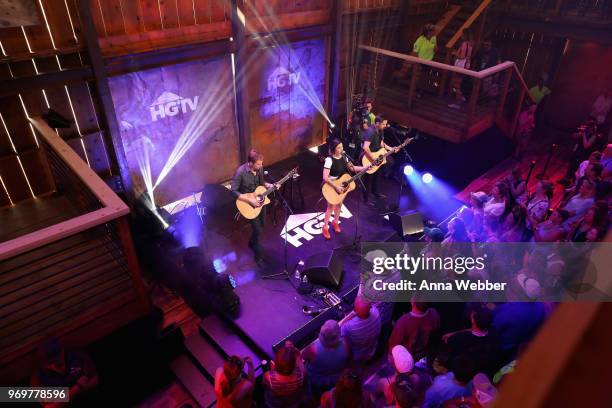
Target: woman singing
x,y
335,166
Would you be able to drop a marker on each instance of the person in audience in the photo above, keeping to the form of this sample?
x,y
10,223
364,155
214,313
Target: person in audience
x,y
234,388
463,57
580,202
477,201
592,173
539,203
348,393
601,108
531,276
517,187
515,225
457,240
496,205
403,378
416,330
483,394
595,217
588,139
59,367
595,157
553,229
451,385
284,383
362,330
595,235
476,343
326,357
487,56
491,229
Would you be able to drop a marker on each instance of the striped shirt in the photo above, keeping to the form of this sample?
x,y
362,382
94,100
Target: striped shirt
x,y
362,335
285,390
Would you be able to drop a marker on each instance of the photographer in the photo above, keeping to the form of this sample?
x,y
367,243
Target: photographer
x,y
588,140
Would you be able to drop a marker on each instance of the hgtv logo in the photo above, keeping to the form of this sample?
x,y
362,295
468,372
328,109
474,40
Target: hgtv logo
x,y
303,227
170,104
281,78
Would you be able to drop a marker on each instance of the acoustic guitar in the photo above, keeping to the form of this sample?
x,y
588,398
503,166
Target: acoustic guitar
x,y
346,183
261,195
382,152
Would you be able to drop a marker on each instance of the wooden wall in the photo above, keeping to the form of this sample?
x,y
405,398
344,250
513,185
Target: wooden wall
x,y
584,74
54,45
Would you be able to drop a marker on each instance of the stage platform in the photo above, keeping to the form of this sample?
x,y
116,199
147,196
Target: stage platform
x,y
272,308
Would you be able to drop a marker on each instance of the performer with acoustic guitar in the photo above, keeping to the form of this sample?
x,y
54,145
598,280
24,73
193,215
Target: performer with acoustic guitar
x,y
248,177
336,165
373,142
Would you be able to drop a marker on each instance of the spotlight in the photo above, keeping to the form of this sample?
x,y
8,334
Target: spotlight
x,y
331,125
408,170
427,178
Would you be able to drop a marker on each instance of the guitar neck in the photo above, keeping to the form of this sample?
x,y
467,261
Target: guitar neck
x,y
279,182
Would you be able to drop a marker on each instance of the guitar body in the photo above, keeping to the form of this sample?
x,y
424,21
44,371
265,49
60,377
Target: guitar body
x,y
331,195
246,209
366,162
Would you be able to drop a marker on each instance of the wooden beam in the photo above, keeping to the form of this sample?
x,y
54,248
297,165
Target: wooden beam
x,y
167,56
123,231
468,23
242,101
336,45
17,85
103,91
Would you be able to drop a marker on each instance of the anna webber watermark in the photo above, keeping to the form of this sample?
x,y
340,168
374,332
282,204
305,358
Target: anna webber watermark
x,y
461,272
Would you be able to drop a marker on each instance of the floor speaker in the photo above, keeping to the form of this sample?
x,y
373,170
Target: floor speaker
x,y
324,268
407,222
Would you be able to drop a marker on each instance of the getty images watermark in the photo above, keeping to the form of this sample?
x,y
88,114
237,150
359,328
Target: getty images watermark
x,y
462,272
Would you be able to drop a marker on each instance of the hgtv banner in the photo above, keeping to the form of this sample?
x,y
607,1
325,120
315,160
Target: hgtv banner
x,y
177,127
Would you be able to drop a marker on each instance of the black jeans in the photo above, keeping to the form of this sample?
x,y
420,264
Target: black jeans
x,y
257,225
370,182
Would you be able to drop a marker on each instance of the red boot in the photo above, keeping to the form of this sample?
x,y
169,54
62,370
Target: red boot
x,y
336,227
326,232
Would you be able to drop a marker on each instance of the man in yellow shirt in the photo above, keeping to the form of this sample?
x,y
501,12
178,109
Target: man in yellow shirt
x,y
426,45
539,91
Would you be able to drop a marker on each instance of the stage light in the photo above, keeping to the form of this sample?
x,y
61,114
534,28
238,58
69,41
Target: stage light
x,y
427,178
331,125
408,170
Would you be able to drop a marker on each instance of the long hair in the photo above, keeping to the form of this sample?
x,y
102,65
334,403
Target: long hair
x,y
348,392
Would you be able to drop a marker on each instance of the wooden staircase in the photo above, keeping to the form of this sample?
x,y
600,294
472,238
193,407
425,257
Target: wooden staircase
x,y
205,351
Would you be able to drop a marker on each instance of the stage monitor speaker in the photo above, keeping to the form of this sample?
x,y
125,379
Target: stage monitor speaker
x,y
407,222
324,268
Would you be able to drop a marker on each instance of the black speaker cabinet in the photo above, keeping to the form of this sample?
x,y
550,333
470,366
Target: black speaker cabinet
x,y
407,222
324,268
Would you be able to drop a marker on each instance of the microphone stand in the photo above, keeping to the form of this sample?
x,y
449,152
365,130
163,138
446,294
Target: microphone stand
x,y
402,177
285,273
356,237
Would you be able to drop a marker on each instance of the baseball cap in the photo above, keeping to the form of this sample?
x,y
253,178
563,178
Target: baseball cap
x,y
402,359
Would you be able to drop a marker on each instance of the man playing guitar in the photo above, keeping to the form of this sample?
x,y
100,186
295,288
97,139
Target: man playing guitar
x,y
373,140
336,164
248,177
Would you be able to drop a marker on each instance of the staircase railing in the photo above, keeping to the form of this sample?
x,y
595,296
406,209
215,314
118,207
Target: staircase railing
x,y
60,279
495,95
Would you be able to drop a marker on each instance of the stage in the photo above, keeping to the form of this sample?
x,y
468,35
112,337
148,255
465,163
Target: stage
x,y
272,308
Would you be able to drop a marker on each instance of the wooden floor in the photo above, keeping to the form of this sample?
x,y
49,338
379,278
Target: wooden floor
x,y
431,114
32,215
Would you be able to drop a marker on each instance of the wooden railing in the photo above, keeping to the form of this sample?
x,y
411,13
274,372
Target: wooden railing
x,y
495,95
78,279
